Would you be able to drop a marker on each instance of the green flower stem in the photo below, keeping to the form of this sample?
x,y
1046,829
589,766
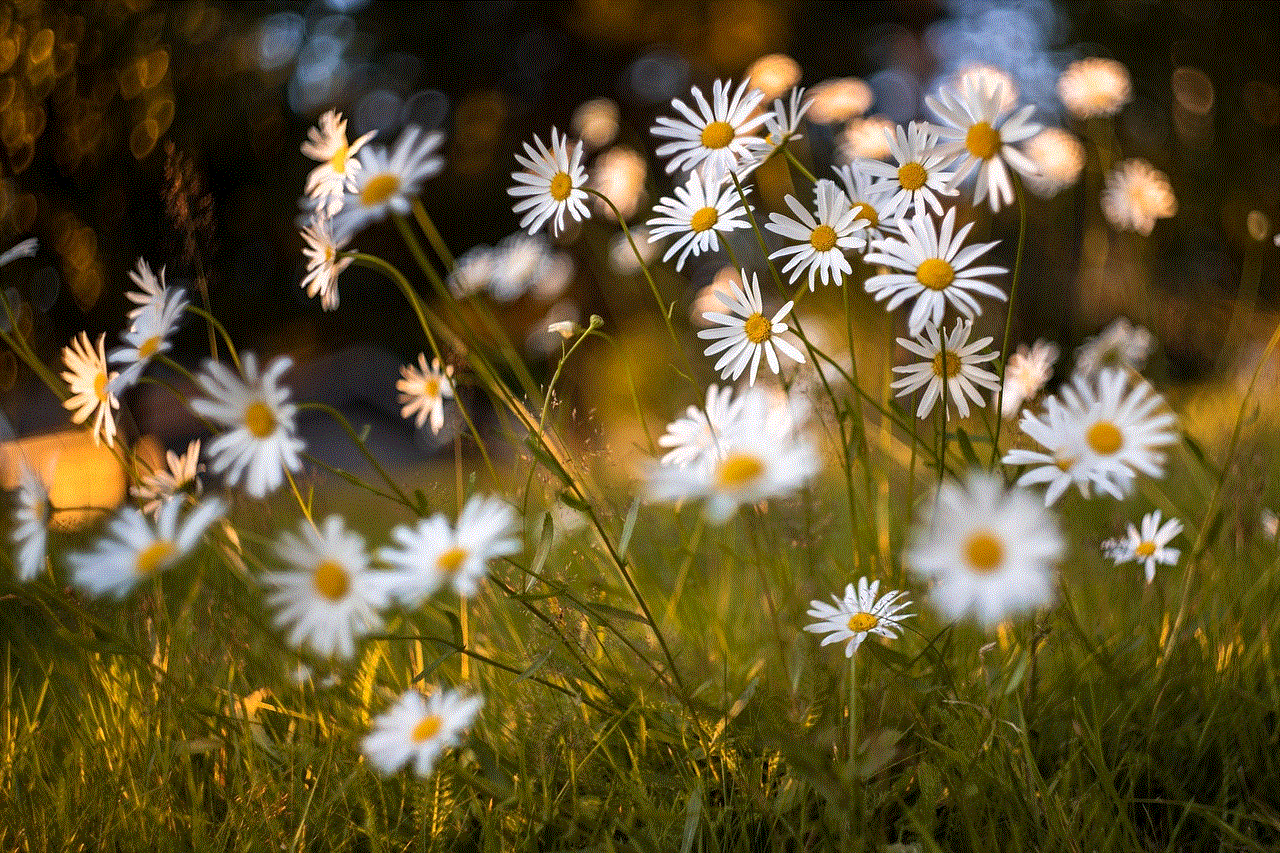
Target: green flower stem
x,y
222,331
433,236
19,346
799,167
302,504
342,422
351,478
178,368
1008,318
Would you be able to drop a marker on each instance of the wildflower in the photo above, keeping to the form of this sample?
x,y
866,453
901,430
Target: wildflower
x,y
840,99
30,523
745,334
869,201
564,328
156,487
1120,344
1094,87
773,74
418,730
336,174
551,185
859,614
782,122
151,288
1026,373
387,180
323,264
92,388
471,272
1136,195
700,211
148,335
696,437
423,391
987,78
595,122
866,138
1059,158
1057,465
523,263
824,239
717,136
919,177
261,441
963,376
990,552
1149,546
619,175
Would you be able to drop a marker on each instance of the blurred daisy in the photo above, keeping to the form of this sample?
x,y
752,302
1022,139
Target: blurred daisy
x,y
696,437
133,549
148,336
990,553
24,249
323,264
623,259
260,443
156,487
1094,87
595,122
418,730
840,99
869,201
860,613
387,180
979,131
746,333
824,239
987,78
151,288
960,367
329,597
1150,545
336,174
717,136
434,553
30,523
918,178
866,138
774,74
619,175
700,211
1120,344
1136,195
423,391
1026,373
933,269
551,185
1059,158
92,388
471,271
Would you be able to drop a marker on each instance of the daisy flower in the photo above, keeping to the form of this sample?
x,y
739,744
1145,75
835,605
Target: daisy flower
x,y
151,288
551,185
933,269
1120,344
336,174
423,391
919,177
1057,465
261,441
979,132
1059,159
869,200
963,376
323,264
700,211
1094,87
156,487
717,136
866,138
134,549
745,334
1149,546
471,272
781,125
388,179
434,553
92,388
990,553
1136,195
148,335
524,262
858,614
24,249
696,437
824,239
841,99
418,729
329,597
1026,373
30,523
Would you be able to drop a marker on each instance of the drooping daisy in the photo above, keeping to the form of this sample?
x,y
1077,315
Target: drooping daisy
x,y
858,614
781,125
423,391
700,211
717,136
1057,466
134,549
1136,195
1150,545
823,239
323,264
1094,87
990,552
869,200
551,185
388,179
418,730
434,553
261,441
919,176
960,367
329,597
92,388
336,175
697,437
24,249
1059,159
745,334
981,133
179,471
1026,373
1120,344
151,288
148,336
30,523
933,269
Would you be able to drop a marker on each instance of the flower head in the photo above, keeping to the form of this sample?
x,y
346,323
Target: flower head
x,y
336,174
30,523
1094,87
717,136
1148,545
551,184
1120,344
858,614
746,333
387,180
92,388
920,177
156,487
1136,195
1059,158
958,362
148,335
700,211
1025,374
870,201
823,239
697,437
151,288
423,391
323,264
418,729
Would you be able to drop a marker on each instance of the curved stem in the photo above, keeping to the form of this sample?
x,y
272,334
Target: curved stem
x,y
437,242
222,331
1008,318
342,422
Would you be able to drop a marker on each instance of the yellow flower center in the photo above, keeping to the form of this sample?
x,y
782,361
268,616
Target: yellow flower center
x,y
983,552
331,580
338,162
100,386
1145,549
330,253
912,175
862,210
149,347
426,729
738,470
983,141
953,365
431,387
154,557
1105,438
704,219
758,329
259,420
1064,463
859,622
718,134
823,238
561,186
450,561
935,273
379,188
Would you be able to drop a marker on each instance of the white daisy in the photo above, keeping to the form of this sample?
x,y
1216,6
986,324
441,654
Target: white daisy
x,y
329,597
745,334
1026,373
841,99
781,125
471,271
1150,545
1057,465
824,239
1094,87
434,553
151,288
696,437
388,179
934,269
423,391
869,200
418,730
717,136
1059,159
159,485
148,336
700,211
919,177
990,553
24,249
866,138
963,376
858,614
261,441
336,174
982,131
134,549
92,388
1136,195
1120,344
323,264
519,263
551,185
30,523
